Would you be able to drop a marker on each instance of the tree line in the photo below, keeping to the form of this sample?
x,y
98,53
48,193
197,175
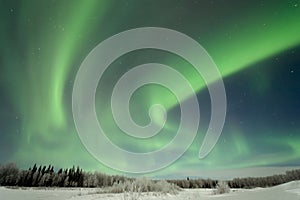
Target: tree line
x,y
267,181
249,182
46,176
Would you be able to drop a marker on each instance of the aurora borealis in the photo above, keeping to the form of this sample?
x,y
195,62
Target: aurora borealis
x,y
255,44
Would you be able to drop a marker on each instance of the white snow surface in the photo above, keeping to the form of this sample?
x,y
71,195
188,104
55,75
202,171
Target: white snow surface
x,y
288,191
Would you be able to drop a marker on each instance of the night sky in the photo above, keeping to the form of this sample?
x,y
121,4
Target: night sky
x,y
255,45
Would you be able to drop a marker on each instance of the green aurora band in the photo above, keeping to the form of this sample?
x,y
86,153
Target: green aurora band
x,y
52,40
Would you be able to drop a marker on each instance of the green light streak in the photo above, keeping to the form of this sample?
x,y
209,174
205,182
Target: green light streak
x,y
67,45
51,49
248,41
54,67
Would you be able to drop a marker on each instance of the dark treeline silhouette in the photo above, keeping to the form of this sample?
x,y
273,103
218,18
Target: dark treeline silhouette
x,y
194,183
249,182
46,176
267,181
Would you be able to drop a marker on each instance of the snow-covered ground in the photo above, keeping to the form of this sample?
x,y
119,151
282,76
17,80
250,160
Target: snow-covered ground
x,y
288,191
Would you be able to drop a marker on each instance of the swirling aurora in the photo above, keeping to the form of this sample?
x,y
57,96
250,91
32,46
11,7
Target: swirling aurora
x,y
255,44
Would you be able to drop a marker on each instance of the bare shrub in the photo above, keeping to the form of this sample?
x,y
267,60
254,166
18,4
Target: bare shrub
x,y
132,191
143,184
165,187
222,188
